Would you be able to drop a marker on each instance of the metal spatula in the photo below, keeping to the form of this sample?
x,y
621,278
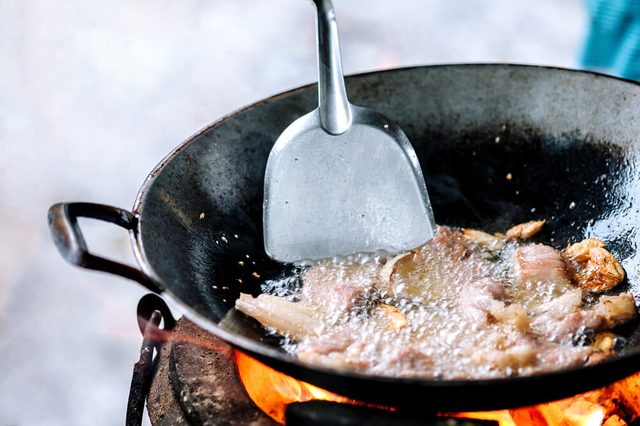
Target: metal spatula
x,y
342,179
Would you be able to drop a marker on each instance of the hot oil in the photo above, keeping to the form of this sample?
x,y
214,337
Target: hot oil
x,y
411,323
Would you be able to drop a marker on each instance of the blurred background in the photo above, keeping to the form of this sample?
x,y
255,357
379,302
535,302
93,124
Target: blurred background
x,y
94,93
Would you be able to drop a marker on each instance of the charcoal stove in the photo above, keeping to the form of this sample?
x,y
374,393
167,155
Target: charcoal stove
x,y
187,376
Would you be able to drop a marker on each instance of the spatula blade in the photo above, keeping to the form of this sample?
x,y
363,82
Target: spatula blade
x,y
335,195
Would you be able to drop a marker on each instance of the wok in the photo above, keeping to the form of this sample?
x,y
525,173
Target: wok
x,y
569,139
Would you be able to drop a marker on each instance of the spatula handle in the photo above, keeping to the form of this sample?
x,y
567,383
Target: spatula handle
x,y
335,110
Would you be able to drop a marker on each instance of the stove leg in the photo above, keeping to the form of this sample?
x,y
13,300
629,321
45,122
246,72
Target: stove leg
x,y
151,310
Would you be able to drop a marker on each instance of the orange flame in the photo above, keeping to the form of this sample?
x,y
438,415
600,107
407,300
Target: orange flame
x,y
614,405
272,391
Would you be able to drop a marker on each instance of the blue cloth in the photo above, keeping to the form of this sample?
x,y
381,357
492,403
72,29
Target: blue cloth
x,y
613,41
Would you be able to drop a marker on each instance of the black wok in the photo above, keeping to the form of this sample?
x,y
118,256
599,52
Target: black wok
x,y
569,139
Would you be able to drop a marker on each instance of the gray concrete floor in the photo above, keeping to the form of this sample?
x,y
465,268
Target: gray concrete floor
x,y
94,93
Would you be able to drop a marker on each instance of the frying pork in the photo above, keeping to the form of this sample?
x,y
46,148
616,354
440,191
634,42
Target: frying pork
x,y
468,304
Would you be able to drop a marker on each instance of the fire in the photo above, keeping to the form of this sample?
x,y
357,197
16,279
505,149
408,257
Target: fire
x,y
272,391
614,405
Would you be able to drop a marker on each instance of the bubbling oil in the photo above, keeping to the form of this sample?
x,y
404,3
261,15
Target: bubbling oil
x,y
415,320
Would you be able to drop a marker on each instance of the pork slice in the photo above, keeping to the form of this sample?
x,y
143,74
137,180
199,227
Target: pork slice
x,y
579,252
396,268
563,305
537,263
560,329
336,341
336,360
427,272
614,310
527,356
600,273
351,352
335,288
483,239
449,242
405,362
510,359
288,318
478,299
484,301
525,230
553,356
514,315
562,318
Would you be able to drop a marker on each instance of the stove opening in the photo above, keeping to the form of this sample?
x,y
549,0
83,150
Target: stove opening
x,y
615,405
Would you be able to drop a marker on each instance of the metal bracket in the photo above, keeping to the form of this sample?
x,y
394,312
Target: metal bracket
x,y
151,311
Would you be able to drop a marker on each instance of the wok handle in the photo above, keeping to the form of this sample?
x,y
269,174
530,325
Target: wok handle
x,y
67,236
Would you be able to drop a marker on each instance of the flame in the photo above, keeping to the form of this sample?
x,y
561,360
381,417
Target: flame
x,y
615,405
272,391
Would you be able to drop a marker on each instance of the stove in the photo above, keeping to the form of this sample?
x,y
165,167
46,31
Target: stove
x,y
189,377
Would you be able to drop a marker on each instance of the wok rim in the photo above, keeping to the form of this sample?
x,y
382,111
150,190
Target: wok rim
x,y
616,368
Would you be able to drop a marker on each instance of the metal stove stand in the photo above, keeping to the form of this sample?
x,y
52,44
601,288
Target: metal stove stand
x,y
188,377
